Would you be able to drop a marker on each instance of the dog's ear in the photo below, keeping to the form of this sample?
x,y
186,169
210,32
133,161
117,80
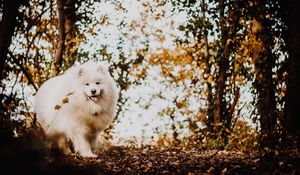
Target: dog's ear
x,y
80,72
102,69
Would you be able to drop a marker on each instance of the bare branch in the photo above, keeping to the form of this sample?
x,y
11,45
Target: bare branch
x,y
24,70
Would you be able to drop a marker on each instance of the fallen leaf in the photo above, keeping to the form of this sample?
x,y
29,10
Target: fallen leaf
x,y
211,170
224,171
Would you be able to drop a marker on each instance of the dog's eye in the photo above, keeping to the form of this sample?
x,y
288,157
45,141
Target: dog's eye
x,y
97,83
87,84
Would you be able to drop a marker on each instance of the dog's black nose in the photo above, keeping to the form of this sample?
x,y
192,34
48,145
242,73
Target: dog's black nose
x,y
93,91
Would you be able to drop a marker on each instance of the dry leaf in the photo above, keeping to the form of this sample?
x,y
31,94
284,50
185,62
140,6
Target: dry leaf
x,y
71,93
65,100
224,171
57,107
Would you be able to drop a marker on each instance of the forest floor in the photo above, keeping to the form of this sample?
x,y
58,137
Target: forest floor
x,y
147,160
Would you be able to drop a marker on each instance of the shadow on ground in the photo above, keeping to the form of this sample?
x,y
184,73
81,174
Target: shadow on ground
x,y
147,160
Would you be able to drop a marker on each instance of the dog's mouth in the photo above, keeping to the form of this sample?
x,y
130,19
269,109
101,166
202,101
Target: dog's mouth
x,y
94,97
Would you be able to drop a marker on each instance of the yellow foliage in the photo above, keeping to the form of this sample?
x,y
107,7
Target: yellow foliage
x,y
181,104
255,26
243,137
179,57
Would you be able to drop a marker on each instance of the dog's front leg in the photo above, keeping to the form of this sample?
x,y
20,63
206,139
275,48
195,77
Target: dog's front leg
x,y
82,146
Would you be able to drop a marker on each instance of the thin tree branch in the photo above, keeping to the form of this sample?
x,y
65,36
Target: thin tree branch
x,y
24,70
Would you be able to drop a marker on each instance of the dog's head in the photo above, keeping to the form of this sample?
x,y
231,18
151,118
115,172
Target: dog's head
x,y
92,78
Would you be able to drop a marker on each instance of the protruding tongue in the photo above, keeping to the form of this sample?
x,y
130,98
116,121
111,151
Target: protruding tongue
x,y
94,97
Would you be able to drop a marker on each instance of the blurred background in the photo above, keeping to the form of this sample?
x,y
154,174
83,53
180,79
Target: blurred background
x,y
216,74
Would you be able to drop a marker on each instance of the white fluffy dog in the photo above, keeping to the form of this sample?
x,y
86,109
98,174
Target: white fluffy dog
x,y
77,106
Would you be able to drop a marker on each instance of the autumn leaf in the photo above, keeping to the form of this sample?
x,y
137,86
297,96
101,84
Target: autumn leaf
x,y
65,100
71,93
256,26
57,107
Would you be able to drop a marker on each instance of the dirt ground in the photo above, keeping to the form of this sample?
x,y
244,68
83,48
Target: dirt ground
x,y
147,160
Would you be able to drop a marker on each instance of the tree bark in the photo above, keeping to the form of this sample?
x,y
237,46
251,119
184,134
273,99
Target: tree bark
x,y
292,105
264,62
207,69
61,37
228,32
7,28
266,99
223,66
71,30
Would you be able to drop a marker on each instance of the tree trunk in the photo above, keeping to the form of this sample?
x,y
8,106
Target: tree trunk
x,y
222,66
292,105
67,33
266,99
264,62
207,69
7,28
220,104
71,31
61,37
223,109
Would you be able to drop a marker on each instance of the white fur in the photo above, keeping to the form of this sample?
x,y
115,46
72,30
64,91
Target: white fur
x,y
81,116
